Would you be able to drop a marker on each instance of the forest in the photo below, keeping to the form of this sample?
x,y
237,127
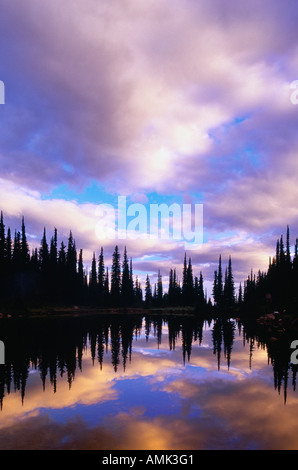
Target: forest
x,y
55,275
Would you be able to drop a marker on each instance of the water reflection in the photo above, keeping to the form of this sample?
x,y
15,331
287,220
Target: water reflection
x,y
155,382
56,346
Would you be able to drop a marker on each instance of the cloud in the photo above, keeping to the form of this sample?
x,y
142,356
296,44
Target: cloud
x,y
129,96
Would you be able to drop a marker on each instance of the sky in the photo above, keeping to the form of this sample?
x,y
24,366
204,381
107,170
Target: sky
x,y
160,101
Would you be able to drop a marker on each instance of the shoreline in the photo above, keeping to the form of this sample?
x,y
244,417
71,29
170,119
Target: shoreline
x,y
76,311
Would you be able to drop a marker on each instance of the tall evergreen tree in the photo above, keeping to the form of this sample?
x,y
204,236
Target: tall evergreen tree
x,y
138,292
44,253
199,290
116,278
125,281
171,290
184,281
93,281
53,266
3,265
2,240
61,272
71,268
148,291
101,278
54,250
131,283
8,248
240,295
189,284
288,250
81,278
229,288
107,299
218,285
25,254
159,289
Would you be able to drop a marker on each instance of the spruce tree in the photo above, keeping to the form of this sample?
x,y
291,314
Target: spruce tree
x,y
93,281
131,283
2,257
25,254
101,278
2,240
8,249
184,281
44,253
116,278
54,251
189,284
159,289
81,278
171,291
125,281
107,296
148,291
200,298
218,285
229,288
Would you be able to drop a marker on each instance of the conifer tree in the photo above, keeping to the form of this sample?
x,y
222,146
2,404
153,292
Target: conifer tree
x,y
218,285
138,292
131,283
44,253
159,289
184,281
189,284
93,281
229,288
2,240
81,278
101,278
3,266
54,250
240,295
171,290
61,270
125,281
25,254
200,297
8,248
116,278
148,291
71,268
107,299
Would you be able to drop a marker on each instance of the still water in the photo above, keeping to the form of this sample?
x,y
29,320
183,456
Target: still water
x,y
149,383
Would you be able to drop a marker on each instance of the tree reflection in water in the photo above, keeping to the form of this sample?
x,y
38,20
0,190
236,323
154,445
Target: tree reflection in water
x,y
55,346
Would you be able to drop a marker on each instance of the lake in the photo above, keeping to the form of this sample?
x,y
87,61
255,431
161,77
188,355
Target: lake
x,y
144,383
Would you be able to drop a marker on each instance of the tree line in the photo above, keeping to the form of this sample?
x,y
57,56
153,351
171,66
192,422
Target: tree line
x,y
53,274
277,287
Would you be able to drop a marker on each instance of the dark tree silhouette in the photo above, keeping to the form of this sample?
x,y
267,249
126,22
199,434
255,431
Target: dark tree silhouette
x,y
48,276
116,278
126,299
101,278
148,292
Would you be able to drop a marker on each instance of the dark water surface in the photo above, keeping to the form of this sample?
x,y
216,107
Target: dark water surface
x,y
150,383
